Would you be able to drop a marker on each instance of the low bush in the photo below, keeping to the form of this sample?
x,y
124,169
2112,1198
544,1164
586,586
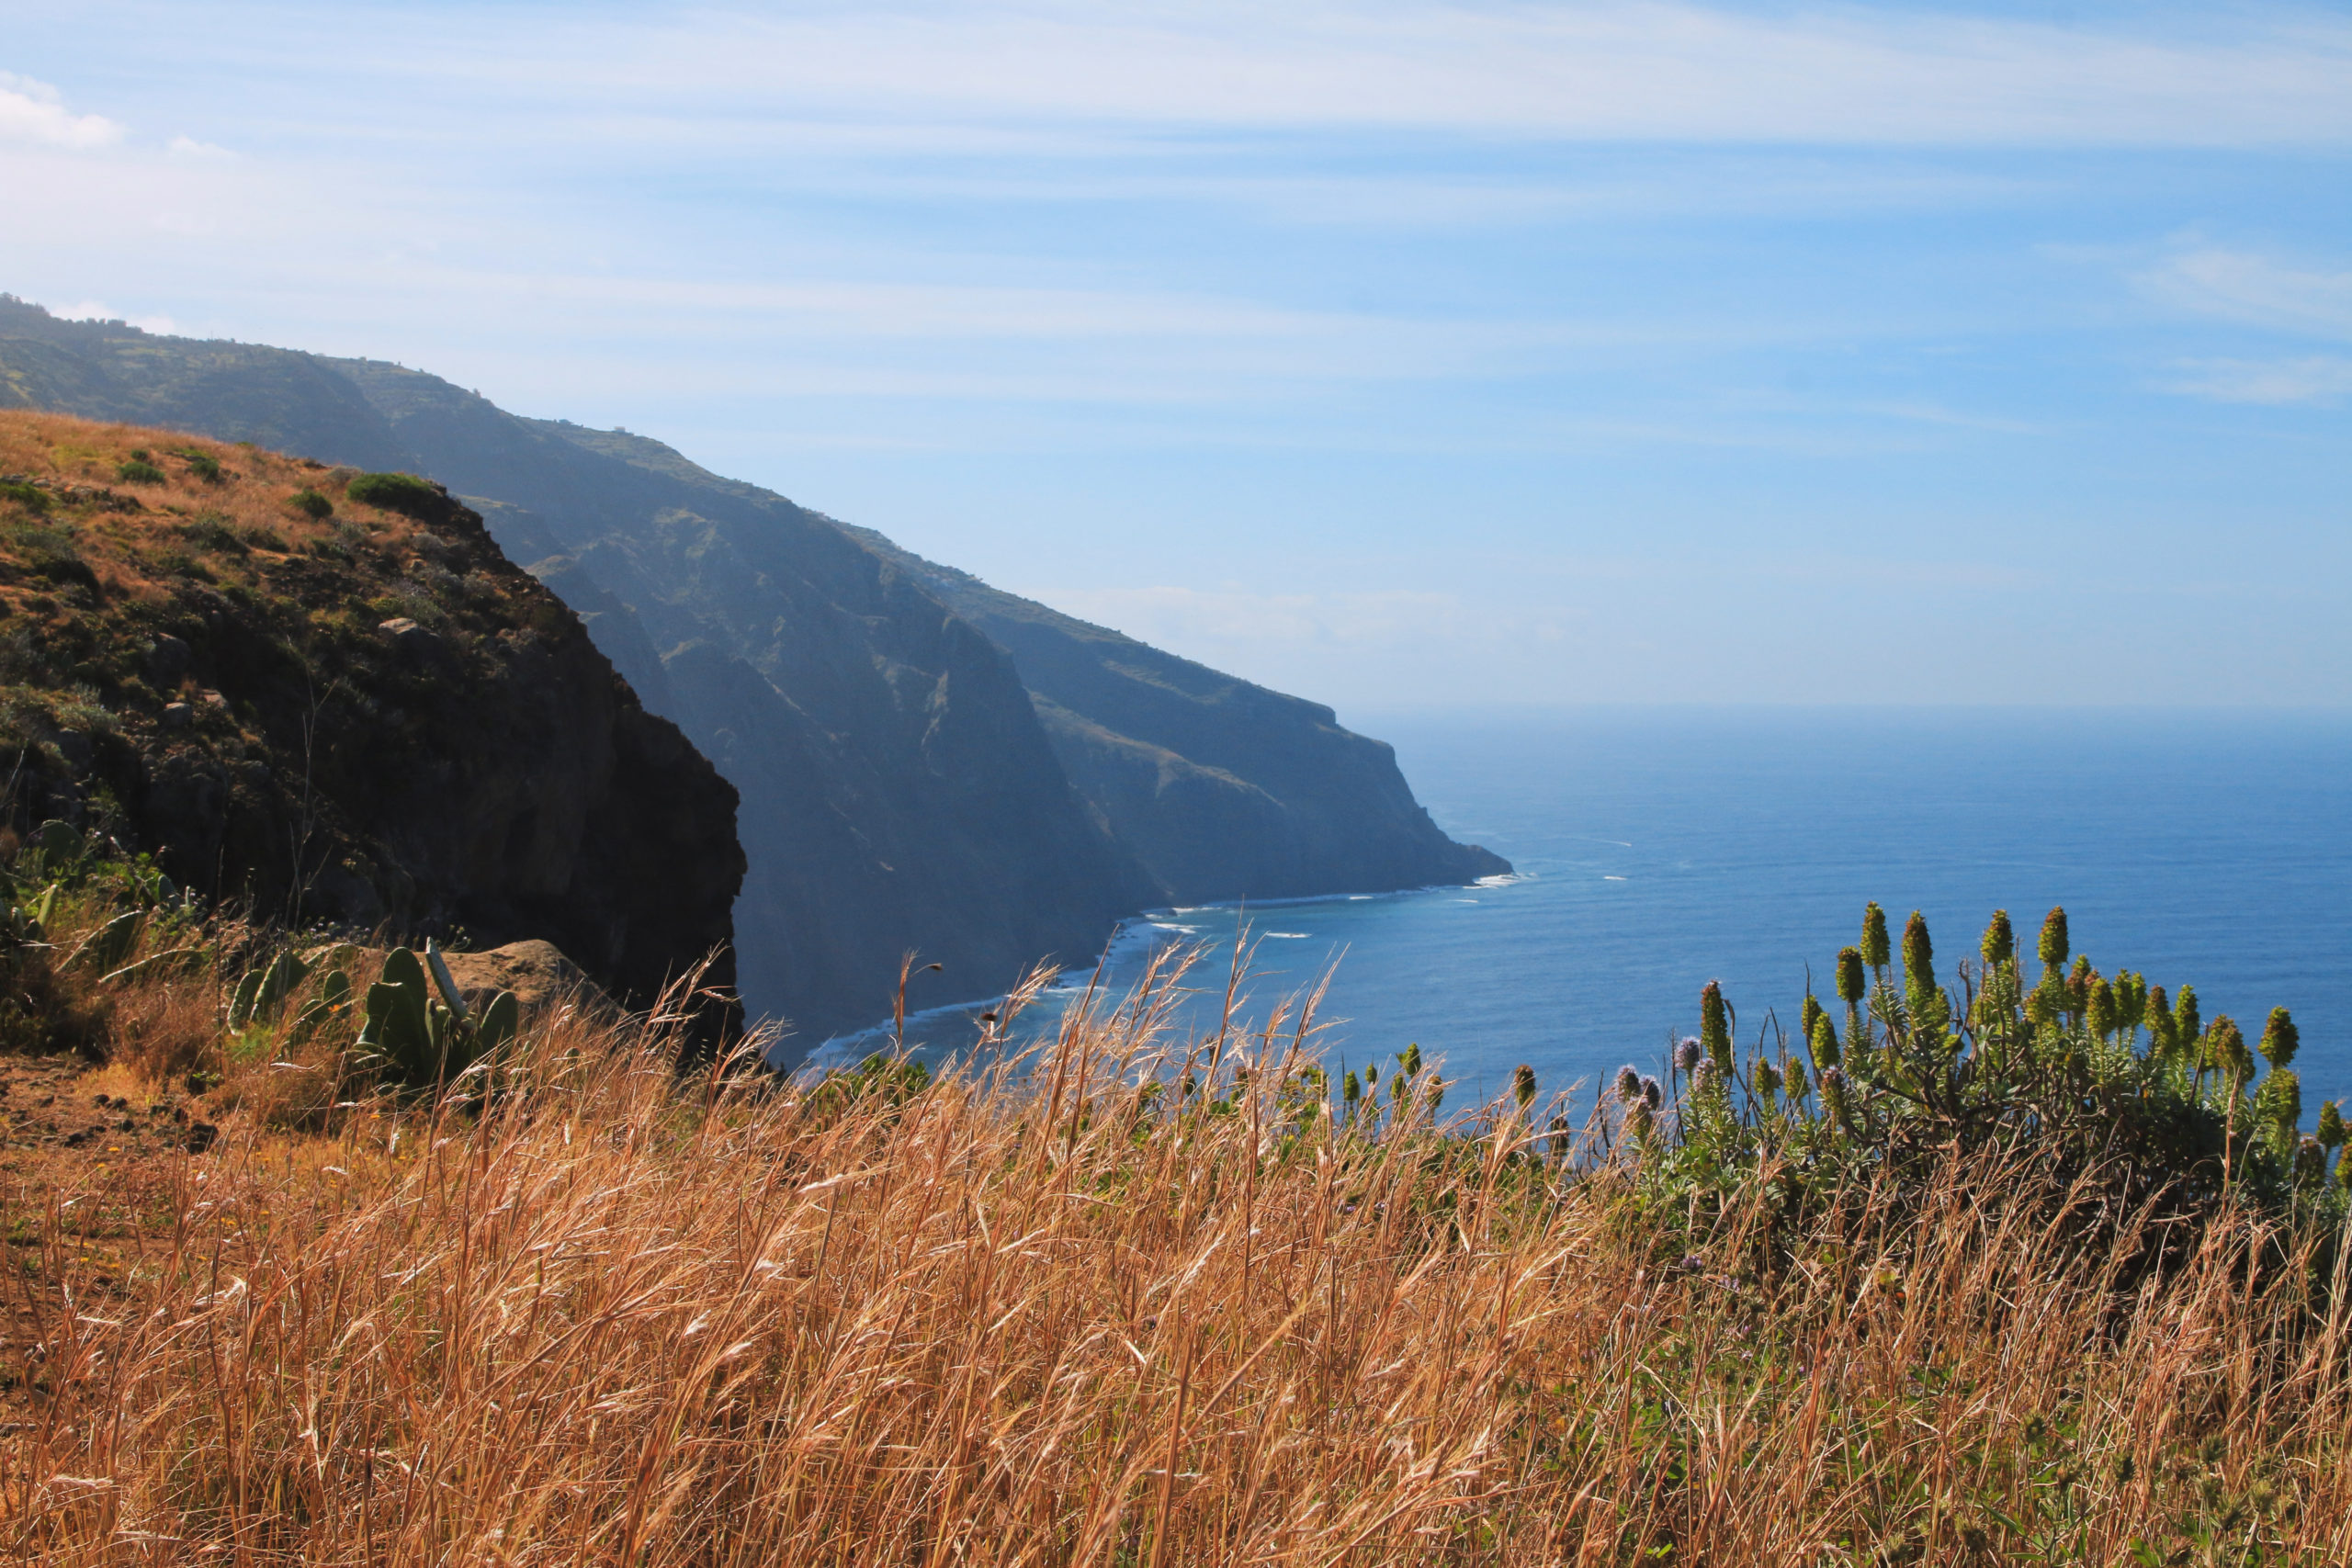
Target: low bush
x,y
139,471
404,494
311,503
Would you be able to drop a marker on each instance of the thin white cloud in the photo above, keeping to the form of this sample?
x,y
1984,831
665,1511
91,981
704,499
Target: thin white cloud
x,y
2318,379
1609,71
187,149
35,112
2258,290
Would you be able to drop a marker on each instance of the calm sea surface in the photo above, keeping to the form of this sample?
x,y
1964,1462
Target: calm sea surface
x,y
1658,850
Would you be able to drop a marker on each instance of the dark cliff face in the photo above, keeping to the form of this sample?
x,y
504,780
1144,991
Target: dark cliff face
x,y
371,719
925,764
1222,788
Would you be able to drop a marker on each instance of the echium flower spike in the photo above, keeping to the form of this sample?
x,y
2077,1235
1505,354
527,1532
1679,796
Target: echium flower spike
x,y
1852,984
1813,1011
2187,1024
2331,1123
1798,1088
1875,950
2053,947
1653,1092
1687,1052
1823,1044
1918,952
1628,1083
2225,1050
2164,1040
1714,1024
1350,1091
1522,1085
1412,1060
2100,1011
2000,943
2279,1039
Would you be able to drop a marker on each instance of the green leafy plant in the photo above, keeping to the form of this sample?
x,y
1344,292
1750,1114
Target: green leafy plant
x,y
311,503
404,494
139,471
424,1039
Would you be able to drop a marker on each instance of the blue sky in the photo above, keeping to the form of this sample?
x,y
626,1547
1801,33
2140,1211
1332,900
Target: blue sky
x,y
1394,354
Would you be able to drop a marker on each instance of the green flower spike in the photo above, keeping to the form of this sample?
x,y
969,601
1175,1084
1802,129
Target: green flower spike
x,y
2331,1124
1874,945
2188,1024
2100,1010
1522,1085
2000,943
1824,1042
2052,946
2163,1037
2279,1039
1714,1024
1852,984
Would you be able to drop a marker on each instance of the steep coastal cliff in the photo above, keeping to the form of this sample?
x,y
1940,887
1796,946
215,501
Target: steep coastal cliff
x,y
925,764
338,708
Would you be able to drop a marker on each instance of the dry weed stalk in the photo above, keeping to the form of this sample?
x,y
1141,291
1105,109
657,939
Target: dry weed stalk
x,y
599,1315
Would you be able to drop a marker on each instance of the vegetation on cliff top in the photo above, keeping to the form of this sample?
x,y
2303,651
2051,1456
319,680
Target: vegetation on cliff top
x,y
328,695
1138,1300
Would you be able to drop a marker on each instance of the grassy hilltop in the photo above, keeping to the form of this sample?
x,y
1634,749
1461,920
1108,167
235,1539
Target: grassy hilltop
x,y
1982,1273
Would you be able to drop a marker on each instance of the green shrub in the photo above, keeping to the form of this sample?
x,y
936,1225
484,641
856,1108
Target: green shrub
x,y
2079,1076
210,531
312,504
32,497
404,494
204,464
139,471
267,540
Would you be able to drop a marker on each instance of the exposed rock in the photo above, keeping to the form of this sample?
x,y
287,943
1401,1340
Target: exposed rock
x,y
536,971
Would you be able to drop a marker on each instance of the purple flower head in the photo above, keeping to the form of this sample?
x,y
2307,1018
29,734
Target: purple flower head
x,y
1629,1084
1686,1054
1653,1092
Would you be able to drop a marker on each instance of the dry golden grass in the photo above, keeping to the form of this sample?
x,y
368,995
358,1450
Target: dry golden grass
x,y
140,537
609,1315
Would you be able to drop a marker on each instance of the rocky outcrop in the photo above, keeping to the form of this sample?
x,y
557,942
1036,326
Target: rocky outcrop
x,y
373,719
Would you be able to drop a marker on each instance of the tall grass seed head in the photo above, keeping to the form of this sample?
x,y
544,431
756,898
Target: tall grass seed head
x,y
1875,950
2000,943
1852,984
2279,1038
2053,947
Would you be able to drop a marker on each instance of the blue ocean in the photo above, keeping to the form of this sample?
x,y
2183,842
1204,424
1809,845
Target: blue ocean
x,y
1657,850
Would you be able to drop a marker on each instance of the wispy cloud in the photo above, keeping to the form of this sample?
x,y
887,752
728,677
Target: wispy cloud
x,y
2316,378
35,112
2259,290
1608,70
